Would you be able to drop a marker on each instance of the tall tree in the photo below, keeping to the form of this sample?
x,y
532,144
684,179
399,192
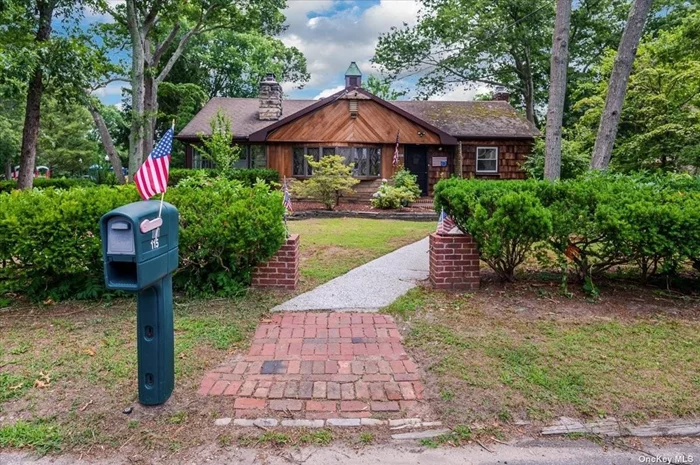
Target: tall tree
x,y
35,91
557,90
382,88
158,32
474,42
605,140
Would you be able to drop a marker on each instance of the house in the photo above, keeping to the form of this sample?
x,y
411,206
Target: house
x,y
489,137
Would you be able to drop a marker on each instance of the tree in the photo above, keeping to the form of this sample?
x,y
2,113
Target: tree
x,y
217,147
158,32
474,42
602,150
226,63
330,179
557,90
382,88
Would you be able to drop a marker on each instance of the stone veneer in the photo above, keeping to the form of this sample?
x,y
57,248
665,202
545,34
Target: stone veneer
x,y
282,270
454,262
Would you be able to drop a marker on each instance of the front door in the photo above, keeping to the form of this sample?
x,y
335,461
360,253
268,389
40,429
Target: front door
x,y
416,161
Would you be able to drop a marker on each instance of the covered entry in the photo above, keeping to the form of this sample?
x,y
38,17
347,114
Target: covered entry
x,y
416,161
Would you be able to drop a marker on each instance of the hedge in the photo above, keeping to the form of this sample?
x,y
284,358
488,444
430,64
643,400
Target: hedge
x,y
247,176
591,224
50,243
42,183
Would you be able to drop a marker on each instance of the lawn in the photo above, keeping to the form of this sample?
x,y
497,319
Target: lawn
x,y
525,353
68,370
332,247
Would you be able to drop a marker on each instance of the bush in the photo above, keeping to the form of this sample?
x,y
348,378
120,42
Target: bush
x,y
50,242
598,221
504,218
391,197
405,179
331,179
247,176
43,183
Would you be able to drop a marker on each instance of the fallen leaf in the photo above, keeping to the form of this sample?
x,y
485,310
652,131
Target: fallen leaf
x,y
90,351
49,301
14,388
182,355
40,384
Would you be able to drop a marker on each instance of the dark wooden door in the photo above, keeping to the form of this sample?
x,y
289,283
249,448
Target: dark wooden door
x,y
416,161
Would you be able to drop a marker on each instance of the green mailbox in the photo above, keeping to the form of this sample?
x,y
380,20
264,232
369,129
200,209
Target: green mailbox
x,y
140,252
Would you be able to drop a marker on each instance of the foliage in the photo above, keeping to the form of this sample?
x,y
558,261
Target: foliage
x,y
50,241
574,160
43,183
331,178
505,219
592,223
382,88
247,176
402,190
225,63
218,147
226,229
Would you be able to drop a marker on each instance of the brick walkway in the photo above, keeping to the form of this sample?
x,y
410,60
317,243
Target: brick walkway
x,y
321,365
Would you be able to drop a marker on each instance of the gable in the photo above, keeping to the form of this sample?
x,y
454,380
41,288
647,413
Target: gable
x,y
333,123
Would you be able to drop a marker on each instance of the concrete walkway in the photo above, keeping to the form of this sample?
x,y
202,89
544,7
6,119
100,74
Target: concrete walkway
x,y
369,287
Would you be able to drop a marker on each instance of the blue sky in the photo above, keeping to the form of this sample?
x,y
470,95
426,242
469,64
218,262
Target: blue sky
x,y
331,34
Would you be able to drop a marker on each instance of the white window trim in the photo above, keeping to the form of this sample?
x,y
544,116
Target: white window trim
x,y
477,159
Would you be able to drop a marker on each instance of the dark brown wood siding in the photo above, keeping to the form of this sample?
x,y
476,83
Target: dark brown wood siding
x,y
512,153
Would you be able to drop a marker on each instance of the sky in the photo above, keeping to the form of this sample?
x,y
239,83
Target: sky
x,y
331,34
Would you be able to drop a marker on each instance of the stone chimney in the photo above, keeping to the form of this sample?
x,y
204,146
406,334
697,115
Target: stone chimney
x,y
501,94
270,99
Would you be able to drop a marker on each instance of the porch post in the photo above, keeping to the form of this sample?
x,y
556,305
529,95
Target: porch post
x,y
459,160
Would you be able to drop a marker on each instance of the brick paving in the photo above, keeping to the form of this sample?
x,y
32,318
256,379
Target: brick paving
x,y
321,365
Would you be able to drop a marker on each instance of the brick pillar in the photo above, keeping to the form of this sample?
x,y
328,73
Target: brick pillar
x,y
454,262
282,270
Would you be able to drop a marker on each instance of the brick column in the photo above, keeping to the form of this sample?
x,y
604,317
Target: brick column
x,y
454,262
282,270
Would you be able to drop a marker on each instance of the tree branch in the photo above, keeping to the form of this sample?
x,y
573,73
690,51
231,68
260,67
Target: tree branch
x,y
160,49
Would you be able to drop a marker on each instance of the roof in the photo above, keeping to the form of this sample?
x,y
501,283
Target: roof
x,y
450,119
353,70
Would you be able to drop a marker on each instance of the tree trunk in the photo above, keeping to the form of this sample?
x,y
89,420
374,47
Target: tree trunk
x,y
459,161
137,89
529,90
617,86
108,144
557,90
150,111
8,169
32,116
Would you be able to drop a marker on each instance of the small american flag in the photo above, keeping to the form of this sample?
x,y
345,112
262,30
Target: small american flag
x,y
287,198
152,177
445,223
396,150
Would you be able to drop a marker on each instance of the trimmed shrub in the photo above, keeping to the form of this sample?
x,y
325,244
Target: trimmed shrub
x,y
598,221
407,180
247,176
50,241
43,183
402,190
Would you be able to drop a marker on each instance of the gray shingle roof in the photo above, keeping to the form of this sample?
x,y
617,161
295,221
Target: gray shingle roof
x,y
460,119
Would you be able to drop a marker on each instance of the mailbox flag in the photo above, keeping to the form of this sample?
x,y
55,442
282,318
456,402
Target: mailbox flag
x,y
152,177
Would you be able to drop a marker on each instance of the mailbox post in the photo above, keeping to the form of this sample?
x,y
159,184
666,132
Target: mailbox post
x,y
140,252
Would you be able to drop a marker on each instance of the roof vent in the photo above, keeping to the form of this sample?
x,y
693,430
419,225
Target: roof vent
x,y
353,76
353,106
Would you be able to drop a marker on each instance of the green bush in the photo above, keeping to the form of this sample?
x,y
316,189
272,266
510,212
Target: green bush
x,y
331,179
598,221
391,197
50,242
247,176
43,183
407,180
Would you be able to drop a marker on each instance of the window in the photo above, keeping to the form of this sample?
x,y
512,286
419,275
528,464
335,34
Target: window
x,y
252,156
300,166
367,161
487,159
258,156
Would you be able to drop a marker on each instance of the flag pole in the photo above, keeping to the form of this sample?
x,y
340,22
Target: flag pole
x,y
162,194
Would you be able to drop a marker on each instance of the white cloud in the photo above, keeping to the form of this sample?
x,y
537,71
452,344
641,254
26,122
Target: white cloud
x,y
331,40
462,93
111,90
328,92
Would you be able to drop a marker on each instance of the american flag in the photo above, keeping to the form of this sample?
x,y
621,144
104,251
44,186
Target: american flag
x,y
287,198
445,223
152,177
396,150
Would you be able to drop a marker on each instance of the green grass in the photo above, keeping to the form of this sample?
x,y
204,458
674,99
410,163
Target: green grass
x,y
332,247
407,304
320,438
366,438
42,436
496,364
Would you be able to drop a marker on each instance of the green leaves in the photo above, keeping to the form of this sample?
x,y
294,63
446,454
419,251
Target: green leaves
x,y
331,179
